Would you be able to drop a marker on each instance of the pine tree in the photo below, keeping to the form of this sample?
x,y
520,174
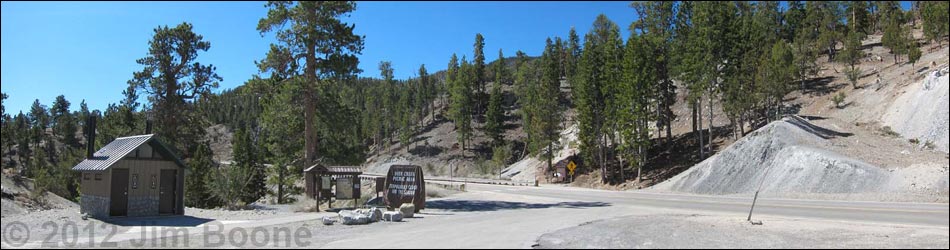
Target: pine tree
x,y
830,27
914,53
858,20
427,96
705,55
174,85
495,117
636,101
573,54
776,75
548,117
794,19
460,109
23,135
805,53
247,157
525,87
5,124
39,122
315,32
597,70
3,108
227,185
197,191
685,66
896,38
936,20
656,23
64,123
478,64
406,114
390,100
852,55
281,119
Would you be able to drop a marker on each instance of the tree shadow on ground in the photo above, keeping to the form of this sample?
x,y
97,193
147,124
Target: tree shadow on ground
x,y
819,131
170,221
426,151
439,120
417,139
667,162
490,206
822,86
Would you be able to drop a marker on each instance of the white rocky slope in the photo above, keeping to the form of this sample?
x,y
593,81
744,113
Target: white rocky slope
x,y
923,111
791,157
527,169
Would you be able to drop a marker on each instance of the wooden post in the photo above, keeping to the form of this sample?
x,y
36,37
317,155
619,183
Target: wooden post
x,y
753,205
316,190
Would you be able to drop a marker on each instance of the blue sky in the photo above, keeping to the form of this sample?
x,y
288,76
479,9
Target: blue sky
x,y
87,50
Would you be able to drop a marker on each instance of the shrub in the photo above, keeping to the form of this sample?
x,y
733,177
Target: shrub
x,y
839,99
930,145
501,156
228,185
853,76
887,131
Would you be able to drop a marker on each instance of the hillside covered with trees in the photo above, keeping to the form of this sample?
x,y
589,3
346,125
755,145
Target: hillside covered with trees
x,y
307,105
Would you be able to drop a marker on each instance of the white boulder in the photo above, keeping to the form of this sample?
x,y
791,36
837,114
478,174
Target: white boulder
x,y
392,216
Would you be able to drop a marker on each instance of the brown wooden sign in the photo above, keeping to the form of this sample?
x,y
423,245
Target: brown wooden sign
x,y
405,184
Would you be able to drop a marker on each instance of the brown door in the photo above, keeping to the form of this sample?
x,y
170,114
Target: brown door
x,y
168,192
120,193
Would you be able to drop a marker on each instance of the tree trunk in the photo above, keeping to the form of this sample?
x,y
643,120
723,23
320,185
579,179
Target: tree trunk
x,y
622,175
711,124
699,120
603,155
695,127
640,175
310,105
550,155
802,78
669,135
280,185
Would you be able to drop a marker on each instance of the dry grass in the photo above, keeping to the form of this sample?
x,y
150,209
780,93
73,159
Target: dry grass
x,y
437,191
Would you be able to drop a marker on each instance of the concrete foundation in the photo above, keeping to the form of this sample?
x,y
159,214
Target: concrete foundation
x,y
95,206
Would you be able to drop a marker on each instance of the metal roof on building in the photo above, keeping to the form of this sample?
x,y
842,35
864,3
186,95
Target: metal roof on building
x,y
335,169
119,149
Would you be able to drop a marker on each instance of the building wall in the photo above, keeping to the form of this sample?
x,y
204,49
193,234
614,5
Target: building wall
x,y
144,195
96,186
95,195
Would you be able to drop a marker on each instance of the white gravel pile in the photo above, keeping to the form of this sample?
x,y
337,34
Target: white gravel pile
x,y
790,156
527,169
923,112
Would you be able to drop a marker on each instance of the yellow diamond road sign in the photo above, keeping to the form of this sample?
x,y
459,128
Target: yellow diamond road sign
x,y
571,166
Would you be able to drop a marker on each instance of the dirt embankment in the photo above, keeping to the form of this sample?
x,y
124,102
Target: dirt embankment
x,y
18,198
793,157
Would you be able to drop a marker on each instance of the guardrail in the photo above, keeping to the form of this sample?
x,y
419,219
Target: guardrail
x,y
370,177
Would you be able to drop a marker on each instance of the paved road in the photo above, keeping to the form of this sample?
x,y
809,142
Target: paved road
x,y
925,214
492,216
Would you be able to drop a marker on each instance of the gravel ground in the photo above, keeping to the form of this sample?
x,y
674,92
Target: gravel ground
x,y
695,231
64,225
